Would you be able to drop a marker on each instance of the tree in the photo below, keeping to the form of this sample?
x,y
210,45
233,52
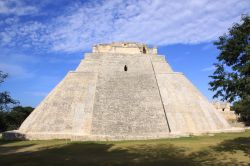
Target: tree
x,y
11,116
5,104
3,121
231,79
16,116
11,120
5,99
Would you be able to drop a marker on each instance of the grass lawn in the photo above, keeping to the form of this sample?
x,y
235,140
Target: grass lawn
x,y
222,149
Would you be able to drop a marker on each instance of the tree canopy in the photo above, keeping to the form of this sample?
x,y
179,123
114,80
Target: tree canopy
x,y
11,115
11,120
5,99
231,79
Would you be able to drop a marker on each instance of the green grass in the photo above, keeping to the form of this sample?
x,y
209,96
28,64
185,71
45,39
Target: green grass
x,y
220,150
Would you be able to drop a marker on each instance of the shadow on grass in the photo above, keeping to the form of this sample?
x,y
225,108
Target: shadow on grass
x,y
100,154
138,154
237,144
4,142
6,147
13,149
221,154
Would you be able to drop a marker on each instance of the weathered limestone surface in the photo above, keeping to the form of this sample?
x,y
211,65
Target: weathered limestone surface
x,y
101,101
186,109
68,108
127,103
224,109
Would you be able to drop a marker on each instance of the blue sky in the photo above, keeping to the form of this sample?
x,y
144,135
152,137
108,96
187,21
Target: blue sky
x,y
40,41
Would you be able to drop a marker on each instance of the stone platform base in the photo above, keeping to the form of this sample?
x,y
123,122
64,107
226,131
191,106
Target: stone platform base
x,y
13,135
17,135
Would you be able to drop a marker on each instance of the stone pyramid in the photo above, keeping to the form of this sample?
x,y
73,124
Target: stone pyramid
x,y
122,91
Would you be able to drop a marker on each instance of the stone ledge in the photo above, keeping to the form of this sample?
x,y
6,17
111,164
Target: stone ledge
x,y
18,135
13,135
169,73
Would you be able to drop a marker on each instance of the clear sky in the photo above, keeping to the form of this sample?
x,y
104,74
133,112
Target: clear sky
x,y
41,40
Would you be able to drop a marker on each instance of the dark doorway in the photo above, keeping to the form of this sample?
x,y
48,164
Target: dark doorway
x,y
144,50
125,68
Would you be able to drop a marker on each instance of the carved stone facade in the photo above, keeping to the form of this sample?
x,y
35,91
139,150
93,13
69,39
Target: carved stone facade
x,y
122,91
125,48
224,109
